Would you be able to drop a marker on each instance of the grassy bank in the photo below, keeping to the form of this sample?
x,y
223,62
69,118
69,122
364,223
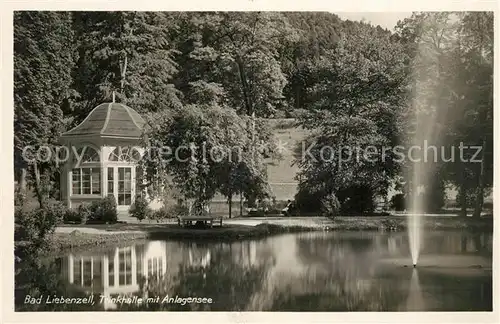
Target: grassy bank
x,y
80,238
399,223
85,236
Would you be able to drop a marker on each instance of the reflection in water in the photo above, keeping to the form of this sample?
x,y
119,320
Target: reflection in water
x,y
116,272
307,271
415,301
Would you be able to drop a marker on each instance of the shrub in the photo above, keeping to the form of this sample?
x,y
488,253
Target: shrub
x,y
330,205
177,210
434,196
103,211
19,198
140,209
79,215
18,214
434,202
71,217
307,201
356,200
58,210
398,202
159,214
265,204
36,226
85,212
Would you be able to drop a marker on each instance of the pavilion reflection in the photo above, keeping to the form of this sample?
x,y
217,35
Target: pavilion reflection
x,y
126,271
116,272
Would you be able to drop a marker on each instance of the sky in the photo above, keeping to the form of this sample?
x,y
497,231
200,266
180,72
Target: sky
x,y
384,19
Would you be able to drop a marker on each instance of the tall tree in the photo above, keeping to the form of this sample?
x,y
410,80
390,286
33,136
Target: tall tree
x,y
428,39
452,81
203,149
474,76
240,51
318,32
355,104
128,53
43,60
451,66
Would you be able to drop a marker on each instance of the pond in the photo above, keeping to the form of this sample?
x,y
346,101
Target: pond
x,y
316,271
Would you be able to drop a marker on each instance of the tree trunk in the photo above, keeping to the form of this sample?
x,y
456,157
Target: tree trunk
x,y
22,189
230,201
38,186
244,86
463,203
241,205
23,181
123,73
463,196
297,98
480,187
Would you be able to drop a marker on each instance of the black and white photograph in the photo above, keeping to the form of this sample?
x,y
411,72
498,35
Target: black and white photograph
x,y
252,161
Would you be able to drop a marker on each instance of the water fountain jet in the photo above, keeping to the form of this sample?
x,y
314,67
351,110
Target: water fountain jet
x,y
425,131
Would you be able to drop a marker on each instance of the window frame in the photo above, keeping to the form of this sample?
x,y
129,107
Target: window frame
x,y
80,182
111,180
125,154
126,194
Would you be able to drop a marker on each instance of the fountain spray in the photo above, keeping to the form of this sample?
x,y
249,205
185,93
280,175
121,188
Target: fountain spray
x,y
425,131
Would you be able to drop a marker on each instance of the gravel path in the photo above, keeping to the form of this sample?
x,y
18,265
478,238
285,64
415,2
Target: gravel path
x,y
314,222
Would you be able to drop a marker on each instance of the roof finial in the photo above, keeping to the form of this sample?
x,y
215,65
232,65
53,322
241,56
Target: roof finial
x,y
113,96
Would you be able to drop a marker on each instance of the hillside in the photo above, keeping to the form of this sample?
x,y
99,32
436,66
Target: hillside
x,y
282,174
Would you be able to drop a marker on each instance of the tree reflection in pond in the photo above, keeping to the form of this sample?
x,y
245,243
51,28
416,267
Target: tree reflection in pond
x,y
42,278
294,272
225,274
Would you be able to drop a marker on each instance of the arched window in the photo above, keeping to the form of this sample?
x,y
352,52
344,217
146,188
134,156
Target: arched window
x,y
125,154
90,155
87,154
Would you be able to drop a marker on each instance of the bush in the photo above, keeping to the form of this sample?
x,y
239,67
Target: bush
x,y
434,197
265,204
103,211
84,213
71,217
330,205
58,210
159,214
18,214
178,210
356,200
36,226
140,209
308,201
398,202
19,198
79,215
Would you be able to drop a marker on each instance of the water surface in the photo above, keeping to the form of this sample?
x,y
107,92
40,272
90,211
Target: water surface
x,y
318,271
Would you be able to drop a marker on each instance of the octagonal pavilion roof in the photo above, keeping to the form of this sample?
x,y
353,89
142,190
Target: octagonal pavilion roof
x,y
109,120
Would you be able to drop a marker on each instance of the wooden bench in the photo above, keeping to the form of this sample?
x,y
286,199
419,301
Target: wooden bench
x,y
188,220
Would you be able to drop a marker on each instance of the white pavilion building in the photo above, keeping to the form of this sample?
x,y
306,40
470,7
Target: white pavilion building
x,y
104,152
